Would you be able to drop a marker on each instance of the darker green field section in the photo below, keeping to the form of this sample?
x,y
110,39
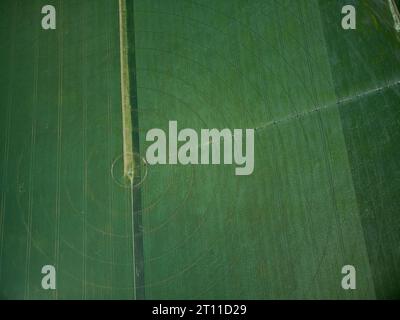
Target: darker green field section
x,y
366,62
374,122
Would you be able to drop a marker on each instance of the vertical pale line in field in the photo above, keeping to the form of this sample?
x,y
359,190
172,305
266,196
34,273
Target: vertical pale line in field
x,y
32,168
6,150
60,104
395,14
125,101
84,156
109,151
126,116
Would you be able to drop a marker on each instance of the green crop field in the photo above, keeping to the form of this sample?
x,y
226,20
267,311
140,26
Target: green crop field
x,y
324,193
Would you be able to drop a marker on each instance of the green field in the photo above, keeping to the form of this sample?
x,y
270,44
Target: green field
x,y
324,192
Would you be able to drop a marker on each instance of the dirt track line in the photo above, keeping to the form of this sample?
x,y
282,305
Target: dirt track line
x,y
125,97
127,121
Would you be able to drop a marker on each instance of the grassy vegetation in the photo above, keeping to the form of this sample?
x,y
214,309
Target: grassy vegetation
x,y
61,131
287,230
323,102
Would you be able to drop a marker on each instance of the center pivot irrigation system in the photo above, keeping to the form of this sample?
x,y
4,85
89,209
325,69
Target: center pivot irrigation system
x,y
131,169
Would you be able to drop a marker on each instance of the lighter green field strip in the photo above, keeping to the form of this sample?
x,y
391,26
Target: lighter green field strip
x,y
125,89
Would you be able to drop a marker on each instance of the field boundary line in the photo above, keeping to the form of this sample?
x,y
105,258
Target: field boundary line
x,y
125,96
